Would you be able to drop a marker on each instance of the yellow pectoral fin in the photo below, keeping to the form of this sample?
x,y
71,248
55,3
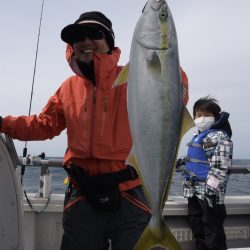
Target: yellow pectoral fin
x,y
122,77
187,122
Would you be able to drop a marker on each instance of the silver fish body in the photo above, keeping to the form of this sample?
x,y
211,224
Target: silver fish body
x,y
157,115
155,103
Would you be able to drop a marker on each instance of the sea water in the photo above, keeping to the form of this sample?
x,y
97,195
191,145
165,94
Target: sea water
x,y
239,184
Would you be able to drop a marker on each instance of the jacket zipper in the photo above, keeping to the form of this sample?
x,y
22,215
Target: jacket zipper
x,y
84,119
93,123
104,115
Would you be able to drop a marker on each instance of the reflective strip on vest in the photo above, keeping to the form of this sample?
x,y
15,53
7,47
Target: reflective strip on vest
x,y
196,160
193,144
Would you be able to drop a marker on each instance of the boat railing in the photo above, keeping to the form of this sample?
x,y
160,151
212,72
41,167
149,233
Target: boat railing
x,y
239,166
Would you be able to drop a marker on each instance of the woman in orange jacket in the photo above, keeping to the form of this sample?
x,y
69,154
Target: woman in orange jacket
x,y
104,200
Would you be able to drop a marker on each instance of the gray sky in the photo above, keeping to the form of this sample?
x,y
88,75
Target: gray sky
x,y
213,38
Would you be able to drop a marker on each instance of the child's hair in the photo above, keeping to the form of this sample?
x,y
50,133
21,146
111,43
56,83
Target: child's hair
x,y
208,104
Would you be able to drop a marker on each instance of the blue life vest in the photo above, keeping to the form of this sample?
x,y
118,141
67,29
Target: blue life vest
x,y
197,165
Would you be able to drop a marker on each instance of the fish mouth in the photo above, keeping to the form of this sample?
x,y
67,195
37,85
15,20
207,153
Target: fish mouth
x,y
157,31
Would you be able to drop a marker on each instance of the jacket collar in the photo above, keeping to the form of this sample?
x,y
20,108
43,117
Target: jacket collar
x,y
104,64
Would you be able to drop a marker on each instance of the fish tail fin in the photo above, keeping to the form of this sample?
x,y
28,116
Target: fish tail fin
x,y
154,237
168,240
146,241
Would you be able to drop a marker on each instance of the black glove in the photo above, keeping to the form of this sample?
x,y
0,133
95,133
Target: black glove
x,y
180,162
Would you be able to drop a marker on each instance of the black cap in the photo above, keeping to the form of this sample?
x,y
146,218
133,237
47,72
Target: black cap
x,y
71,33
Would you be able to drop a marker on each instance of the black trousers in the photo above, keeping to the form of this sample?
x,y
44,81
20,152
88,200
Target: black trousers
x,y
88,229
207,224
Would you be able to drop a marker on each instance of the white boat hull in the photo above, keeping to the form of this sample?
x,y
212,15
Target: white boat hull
x,y
44,231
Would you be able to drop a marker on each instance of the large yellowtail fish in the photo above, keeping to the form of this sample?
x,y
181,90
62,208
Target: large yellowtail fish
x,y
157,115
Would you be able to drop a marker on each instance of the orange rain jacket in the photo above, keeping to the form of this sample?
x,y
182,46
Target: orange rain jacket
x,y
96,118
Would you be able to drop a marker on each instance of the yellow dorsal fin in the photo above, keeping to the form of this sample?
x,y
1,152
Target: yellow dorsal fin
x,y
187,122
122,77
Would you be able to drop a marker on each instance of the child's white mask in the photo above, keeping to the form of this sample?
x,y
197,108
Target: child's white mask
x,y
204,123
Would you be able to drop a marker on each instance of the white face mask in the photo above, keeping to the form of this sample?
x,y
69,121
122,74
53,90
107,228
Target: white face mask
x,y
204,123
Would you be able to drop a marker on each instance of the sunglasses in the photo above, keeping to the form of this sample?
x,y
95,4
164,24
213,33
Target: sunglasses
x,y
93,34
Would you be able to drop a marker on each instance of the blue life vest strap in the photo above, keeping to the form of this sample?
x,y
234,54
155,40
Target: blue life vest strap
x,y
193,144
195,160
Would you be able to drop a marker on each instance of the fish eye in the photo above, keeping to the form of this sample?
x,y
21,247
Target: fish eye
x,y
163,15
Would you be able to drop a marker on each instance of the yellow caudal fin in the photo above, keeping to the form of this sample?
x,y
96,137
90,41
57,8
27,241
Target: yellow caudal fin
x,y
162,237
169,241
187,122
122,77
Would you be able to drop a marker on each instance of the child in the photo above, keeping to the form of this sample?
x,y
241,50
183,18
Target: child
x,y
207,169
